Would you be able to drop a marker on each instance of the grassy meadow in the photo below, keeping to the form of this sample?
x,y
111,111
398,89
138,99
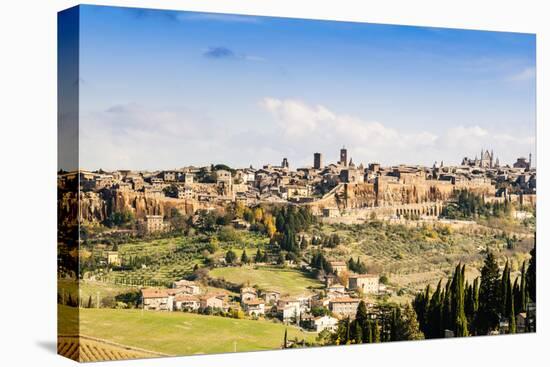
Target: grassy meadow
x,y
178,333
284,280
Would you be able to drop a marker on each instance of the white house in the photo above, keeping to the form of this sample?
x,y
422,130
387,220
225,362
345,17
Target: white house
x,y
254,307
325,323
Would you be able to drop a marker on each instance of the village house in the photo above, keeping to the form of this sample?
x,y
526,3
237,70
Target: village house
x,y
326,322
254,307
367,283
271,297
248,293
288,308
213,301
186,302
344,307
188,286
156,299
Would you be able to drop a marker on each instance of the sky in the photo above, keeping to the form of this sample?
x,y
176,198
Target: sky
x,y
167,89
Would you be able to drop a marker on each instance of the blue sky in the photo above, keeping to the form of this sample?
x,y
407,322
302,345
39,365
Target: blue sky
x,y
163,89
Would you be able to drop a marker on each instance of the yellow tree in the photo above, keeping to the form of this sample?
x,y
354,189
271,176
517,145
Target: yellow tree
x,y
269,223
258,214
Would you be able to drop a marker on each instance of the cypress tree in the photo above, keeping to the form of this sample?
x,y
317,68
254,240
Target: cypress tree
x,y
489,296
258,257
347,339
531,277
504,288
511,313
376,336
244,257
434,317
361,318
370,337
516,295
285,339
522,306
358,333
461,324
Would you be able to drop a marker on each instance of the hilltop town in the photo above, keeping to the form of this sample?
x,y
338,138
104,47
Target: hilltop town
x,y
341,191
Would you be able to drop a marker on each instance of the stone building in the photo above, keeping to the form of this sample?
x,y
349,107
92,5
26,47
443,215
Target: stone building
x,y
157,299
254,307
344,307
154,223
367,283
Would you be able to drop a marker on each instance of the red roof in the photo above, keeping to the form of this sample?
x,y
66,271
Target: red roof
x,y
345,300
154,293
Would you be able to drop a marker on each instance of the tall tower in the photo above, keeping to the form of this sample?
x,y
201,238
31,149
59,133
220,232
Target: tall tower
x,y
530,156
343,157
317,161
284,164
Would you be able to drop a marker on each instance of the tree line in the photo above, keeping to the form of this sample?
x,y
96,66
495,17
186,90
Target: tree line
x,y
477,308
470,205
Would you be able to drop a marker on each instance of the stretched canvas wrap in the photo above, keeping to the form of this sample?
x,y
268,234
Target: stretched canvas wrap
x,y
233,183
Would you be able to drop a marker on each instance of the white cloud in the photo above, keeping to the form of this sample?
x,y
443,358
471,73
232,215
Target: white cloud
x,y
316,126
138,137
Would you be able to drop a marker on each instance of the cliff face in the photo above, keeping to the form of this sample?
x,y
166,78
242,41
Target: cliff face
x,y
96,207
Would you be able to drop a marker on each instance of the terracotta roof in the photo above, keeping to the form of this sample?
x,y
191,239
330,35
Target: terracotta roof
x,y
186,298
254,302
345,300
248,290
155,293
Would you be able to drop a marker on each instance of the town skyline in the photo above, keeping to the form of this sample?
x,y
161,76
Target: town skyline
x,y
330,160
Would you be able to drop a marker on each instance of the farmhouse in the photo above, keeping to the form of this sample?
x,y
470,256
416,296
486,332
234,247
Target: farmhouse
x,y
345,306
157,299
326,322
254,307
248,293
212,300
186,302
271,296
288,308
187,287
367,283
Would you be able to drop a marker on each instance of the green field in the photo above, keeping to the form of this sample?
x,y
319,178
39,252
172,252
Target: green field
x,y
286,281
178,333
168,259
93,289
